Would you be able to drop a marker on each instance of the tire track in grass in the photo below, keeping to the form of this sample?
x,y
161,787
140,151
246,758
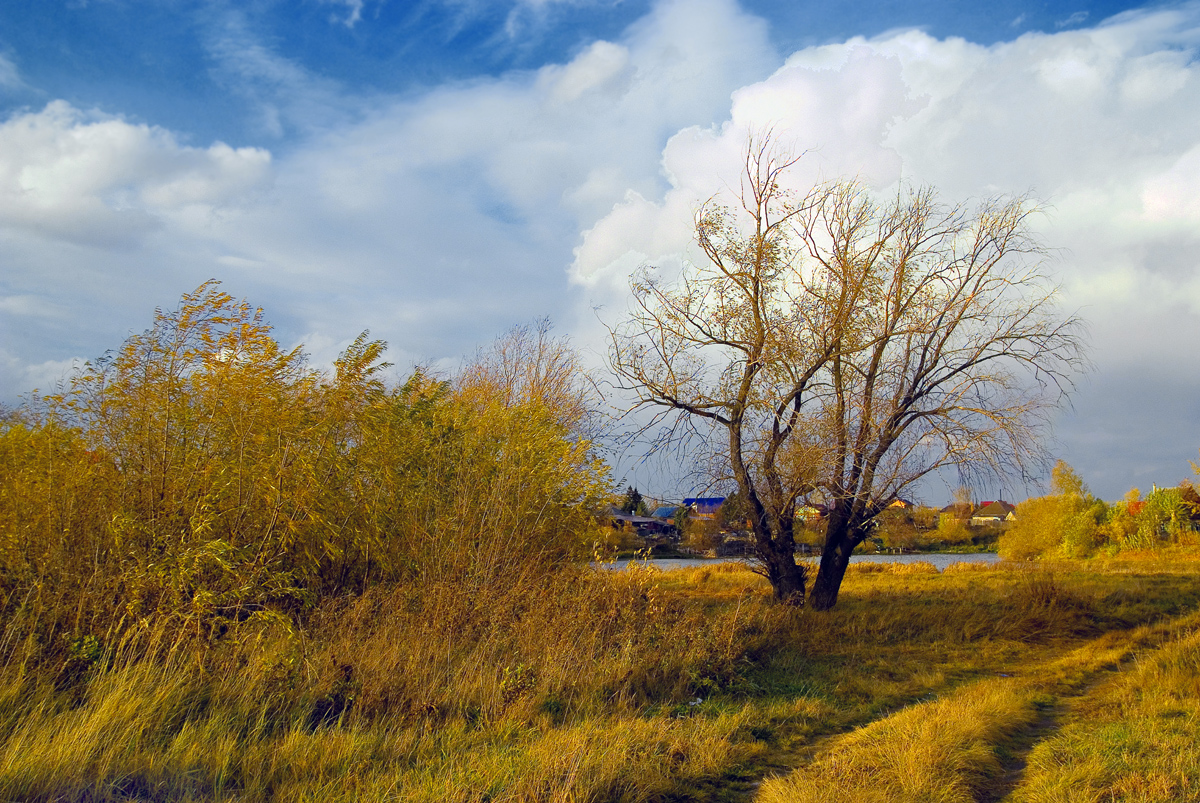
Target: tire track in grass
x,y
1137,644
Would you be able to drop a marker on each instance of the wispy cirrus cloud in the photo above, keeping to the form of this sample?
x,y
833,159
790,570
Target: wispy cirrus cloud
x,y
1076,18
10,76
285,96
353,10
508,24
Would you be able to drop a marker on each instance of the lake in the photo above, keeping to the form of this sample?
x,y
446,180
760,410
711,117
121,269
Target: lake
x,y
940,560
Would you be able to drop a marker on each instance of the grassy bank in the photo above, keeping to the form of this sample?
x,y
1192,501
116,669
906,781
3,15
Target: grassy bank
x,y
643,685
1046,651
578,689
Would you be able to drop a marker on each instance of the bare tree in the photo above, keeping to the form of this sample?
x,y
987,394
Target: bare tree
x,y
848,346
529,365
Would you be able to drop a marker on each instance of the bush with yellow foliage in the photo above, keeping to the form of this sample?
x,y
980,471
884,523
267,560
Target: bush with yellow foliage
x,y
202,475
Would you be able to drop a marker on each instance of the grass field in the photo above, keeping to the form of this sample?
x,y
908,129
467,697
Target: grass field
x,y
1073,682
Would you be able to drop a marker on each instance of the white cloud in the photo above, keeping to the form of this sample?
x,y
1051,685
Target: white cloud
x,y
10,77
29,306
285,96
1101,123
840,111
354,9
43,378
438,220
601,65
89,178
1174,195
1077,18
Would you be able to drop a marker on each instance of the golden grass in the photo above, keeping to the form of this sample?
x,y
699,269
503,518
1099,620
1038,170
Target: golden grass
x,y
1135,739
631,686
583,688
142,734
940,752
869,567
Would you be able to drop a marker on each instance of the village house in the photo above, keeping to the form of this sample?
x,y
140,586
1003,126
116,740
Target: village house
x,y
993,513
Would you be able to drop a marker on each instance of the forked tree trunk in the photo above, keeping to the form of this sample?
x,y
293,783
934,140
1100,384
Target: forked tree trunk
x,y
778,554
835,557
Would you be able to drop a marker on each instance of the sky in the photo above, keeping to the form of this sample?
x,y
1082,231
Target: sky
x,y
437,171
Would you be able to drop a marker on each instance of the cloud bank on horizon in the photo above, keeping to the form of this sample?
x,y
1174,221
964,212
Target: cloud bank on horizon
x,y
437,218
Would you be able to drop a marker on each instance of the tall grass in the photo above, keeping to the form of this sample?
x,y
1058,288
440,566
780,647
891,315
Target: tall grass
x,y
939,752
1130,739
1135,739
582,690
153,735
581,685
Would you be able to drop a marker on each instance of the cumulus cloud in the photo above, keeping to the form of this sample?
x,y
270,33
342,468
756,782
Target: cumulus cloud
x,y
1173,195
99,180
440,219
840,115
436,220
452,215
1101,124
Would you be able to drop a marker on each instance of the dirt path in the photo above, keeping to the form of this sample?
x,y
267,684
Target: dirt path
x,y
1014,757
1095,662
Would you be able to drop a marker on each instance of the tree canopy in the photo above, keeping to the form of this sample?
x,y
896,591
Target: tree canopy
x,y
841,346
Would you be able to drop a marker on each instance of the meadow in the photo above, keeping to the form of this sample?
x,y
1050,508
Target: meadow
x,y
227,576
1013,682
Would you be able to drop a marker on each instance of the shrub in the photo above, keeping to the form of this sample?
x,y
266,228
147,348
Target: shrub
x,y
202,475
952,530
1064,525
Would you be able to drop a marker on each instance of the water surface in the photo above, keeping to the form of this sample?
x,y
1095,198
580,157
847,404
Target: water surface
x,y
940,560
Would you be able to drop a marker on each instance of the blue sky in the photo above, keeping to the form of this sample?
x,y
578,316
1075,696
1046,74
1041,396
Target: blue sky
x,y
166,62
439,170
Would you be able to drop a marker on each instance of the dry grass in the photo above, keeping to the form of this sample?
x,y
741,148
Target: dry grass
x,y
139,738
940,751
584,688
1134,739
916,567
628,686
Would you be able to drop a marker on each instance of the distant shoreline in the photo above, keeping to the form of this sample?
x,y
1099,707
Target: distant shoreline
x,y
940,560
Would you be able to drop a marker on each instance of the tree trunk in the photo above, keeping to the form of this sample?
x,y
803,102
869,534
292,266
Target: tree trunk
x,y
835,557
788,579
